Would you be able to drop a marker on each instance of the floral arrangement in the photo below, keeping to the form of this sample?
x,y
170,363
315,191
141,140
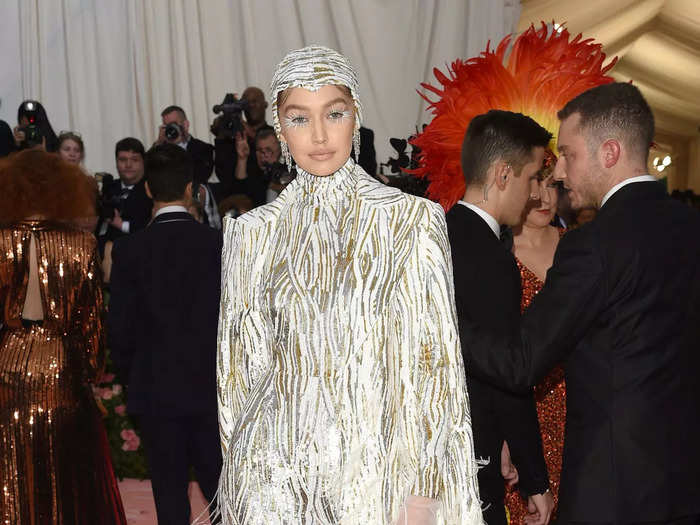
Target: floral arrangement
x,y
128,455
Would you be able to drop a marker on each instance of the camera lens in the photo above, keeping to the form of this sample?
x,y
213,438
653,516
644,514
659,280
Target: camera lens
x,y
172,131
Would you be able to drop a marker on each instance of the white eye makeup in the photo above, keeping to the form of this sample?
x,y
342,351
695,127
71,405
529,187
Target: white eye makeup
x,y
339,114
335,114
295,121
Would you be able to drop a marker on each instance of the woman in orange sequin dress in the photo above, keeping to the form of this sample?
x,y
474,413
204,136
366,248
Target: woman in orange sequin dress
x,y
54,464
534,244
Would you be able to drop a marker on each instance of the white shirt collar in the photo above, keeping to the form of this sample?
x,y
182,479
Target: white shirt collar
x,y
127,186
640,178
184,143
488,218
170,209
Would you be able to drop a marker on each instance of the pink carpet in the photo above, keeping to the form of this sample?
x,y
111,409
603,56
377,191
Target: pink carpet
x,y
140,508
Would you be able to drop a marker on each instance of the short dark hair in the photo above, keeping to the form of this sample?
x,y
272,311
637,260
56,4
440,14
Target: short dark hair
x,y
499,135
130,144
172,108
616,110
168,170
263,133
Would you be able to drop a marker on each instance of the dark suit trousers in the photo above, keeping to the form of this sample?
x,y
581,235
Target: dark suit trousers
x,y
173,444
491,485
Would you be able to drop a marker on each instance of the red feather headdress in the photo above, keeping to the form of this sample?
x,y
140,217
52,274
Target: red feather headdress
x,y
538,77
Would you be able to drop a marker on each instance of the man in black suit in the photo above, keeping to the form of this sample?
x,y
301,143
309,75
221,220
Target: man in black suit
x,y
130,206
501,157
163,317
621,309
175,129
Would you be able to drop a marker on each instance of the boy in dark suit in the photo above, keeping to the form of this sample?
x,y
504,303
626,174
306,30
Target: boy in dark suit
x,y
501,157
126,197
163,320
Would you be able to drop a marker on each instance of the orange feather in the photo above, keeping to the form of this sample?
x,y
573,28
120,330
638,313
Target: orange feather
x,y
537,76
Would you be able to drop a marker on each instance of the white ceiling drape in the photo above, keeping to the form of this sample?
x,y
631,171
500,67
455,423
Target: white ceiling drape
x,y
106,68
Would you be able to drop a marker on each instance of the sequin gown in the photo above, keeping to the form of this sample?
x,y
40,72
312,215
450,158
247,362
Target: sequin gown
x,y
53,466
550,399
341,383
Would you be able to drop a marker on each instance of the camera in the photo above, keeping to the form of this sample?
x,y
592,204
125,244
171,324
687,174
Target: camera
x,y
229,123
277,173
106,205
173,131
32,133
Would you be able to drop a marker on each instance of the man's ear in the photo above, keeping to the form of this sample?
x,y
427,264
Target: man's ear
x,y
148,191
503,172
188,191
610,152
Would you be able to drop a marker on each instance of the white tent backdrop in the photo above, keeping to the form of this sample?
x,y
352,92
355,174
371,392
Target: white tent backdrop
x,y
106,68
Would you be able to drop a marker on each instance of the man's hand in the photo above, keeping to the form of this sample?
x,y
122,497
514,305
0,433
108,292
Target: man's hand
x,y
508,470
539,508
161,135
19,136
242,148
116,221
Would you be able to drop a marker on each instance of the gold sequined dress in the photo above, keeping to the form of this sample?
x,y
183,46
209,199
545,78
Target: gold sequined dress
x,y
341,383
54,462
550,399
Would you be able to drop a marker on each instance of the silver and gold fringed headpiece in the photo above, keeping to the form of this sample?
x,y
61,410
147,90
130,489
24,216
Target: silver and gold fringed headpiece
x,y
311,68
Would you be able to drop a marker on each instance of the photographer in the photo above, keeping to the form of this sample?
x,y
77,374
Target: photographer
x,y
273,175
125,207
33,127
225,128
175,129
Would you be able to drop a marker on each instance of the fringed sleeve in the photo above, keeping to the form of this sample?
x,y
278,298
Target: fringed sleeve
x,y
438,429
243,344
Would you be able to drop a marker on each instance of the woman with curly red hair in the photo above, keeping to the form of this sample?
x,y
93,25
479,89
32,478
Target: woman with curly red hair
x,y
54,465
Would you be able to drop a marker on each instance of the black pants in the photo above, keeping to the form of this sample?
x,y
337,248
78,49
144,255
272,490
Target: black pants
x,y
173,445
491,484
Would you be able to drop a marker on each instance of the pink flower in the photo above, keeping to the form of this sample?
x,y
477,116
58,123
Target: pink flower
x,y
131,440
130,446
106,393
106,378
120,410
127,434
116,389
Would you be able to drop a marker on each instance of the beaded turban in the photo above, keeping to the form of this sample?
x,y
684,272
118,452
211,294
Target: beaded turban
x,y
311,68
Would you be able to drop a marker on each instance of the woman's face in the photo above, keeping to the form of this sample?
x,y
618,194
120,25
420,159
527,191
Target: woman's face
x,y
318,127
70,151
539,213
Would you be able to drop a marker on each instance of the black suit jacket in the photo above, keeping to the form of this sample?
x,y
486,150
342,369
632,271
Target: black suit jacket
x,y
136,208
487,289
203,157
621,308
368,155
163,315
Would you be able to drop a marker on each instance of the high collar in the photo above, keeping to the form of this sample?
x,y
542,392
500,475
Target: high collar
x,y
337,185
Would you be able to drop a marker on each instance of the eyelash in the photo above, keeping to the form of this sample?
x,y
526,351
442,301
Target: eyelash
x,y
299,121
